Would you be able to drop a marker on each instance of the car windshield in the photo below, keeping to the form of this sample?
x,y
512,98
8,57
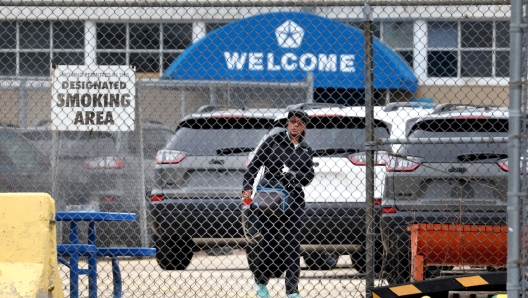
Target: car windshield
x,y
17,152
74,143
450,128
210,136
344,133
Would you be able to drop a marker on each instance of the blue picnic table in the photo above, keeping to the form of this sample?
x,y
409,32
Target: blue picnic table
x,y
74,250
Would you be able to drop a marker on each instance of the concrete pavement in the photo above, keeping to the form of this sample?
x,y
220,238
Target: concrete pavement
x,y
217,276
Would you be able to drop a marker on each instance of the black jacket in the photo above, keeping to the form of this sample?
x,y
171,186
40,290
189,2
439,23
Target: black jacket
x,y
274,157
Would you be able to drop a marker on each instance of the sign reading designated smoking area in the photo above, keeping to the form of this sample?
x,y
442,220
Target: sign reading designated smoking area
x,y
98,98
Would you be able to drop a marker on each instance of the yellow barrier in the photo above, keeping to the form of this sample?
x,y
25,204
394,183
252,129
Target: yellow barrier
x,y
28,248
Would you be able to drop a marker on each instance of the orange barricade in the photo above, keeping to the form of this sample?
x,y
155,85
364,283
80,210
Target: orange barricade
x,y
456,245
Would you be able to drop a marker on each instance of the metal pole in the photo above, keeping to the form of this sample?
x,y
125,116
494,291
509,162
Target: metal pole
x,y
514,150
59,201
459,140
182,112
22,102
369,123
212,95
309,88
142,200
213,84
243,3
55,147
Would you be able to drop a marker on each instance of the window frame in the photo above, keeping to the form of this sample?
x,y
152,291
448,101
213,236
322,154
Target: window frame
x,y
50,50
381,23
161,52
479,80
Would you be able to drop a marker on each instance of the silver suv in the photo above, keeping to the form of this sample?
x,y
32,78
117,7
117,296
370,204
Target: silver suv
x,y
195,200
461,183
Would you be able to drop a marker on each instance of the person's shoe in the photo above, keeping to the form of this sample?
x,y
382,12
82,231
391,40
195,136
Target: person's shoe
x,y
262,291
295,295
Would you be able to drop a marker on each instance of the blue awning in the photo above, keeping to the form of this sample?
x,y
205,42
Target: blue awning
x,y
285,47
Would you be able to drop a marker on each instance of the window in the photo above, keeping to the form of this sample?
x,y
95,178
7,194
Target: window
x,y
39,43
397,35
468,49
150,47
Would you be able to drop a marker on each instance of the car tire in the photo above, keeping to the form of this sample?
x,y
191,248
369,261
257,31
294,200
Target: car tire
x,y
397,268
274,264
173,253
320,261
359,261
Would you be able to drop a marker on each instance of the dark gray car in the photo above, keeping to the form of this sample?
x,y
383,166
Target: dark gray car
x,y
88,167
22,167
464,183
196,200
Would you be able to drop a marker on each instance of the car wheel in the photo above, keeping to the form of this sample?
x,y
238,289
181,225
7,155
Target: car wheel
x,y
397,268
273,262
173,253
320,261
359,261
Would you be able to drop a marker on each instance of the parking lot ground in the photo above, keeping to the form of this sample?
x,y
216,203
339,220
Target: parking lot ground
x,y
223,276
217,276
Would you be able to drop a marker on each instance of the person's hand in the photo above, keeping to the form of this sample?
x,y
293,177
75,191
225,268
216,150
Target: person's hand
x,y
246,194
246,197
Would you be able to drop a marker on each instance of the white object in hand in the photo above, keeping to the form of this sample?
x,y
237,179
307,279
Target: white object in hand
x,y
285,169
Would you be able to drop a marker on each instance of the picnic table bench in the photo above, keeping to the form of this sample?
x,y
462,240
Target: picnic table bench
x,y
92,251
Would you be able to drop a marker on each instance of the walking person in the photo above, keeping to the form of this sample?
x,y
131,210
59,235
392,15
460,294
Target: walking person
x,y
289,162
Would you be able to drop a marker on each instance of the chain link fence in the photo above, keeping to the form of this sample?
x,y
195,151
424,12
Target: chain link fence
x,y
374,136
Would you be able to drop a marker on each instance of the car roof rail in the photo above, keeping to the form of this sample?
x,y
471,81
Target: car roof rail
x,y
212,108
152,121
449,107
394,106
314,105
43,122
7,124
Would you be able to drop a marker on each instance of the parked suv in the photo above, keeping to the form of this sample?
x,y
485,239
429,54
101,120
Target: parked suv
x,y
335,200
447,183
88,168
195,201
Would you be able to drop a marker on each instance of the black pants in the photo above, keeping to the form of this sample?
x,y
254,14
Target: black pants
x,y
281,234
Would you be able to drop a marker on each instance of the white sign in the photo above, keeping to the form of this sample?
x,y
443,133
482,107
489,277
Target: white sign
x,y
100,98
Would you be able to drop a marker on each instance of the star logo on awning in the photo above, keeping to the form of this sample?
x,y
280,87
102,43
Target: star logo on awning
x,y
289,35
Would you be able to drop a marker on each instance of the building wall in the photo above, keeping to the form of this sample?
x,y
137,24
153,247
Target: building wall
x,y
408,30
492,95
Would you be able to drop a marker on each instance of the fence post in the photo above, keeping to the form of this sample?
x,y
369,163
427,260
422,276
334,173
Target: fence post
x,y
369,126
514,156
141,195
22,102
309,88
